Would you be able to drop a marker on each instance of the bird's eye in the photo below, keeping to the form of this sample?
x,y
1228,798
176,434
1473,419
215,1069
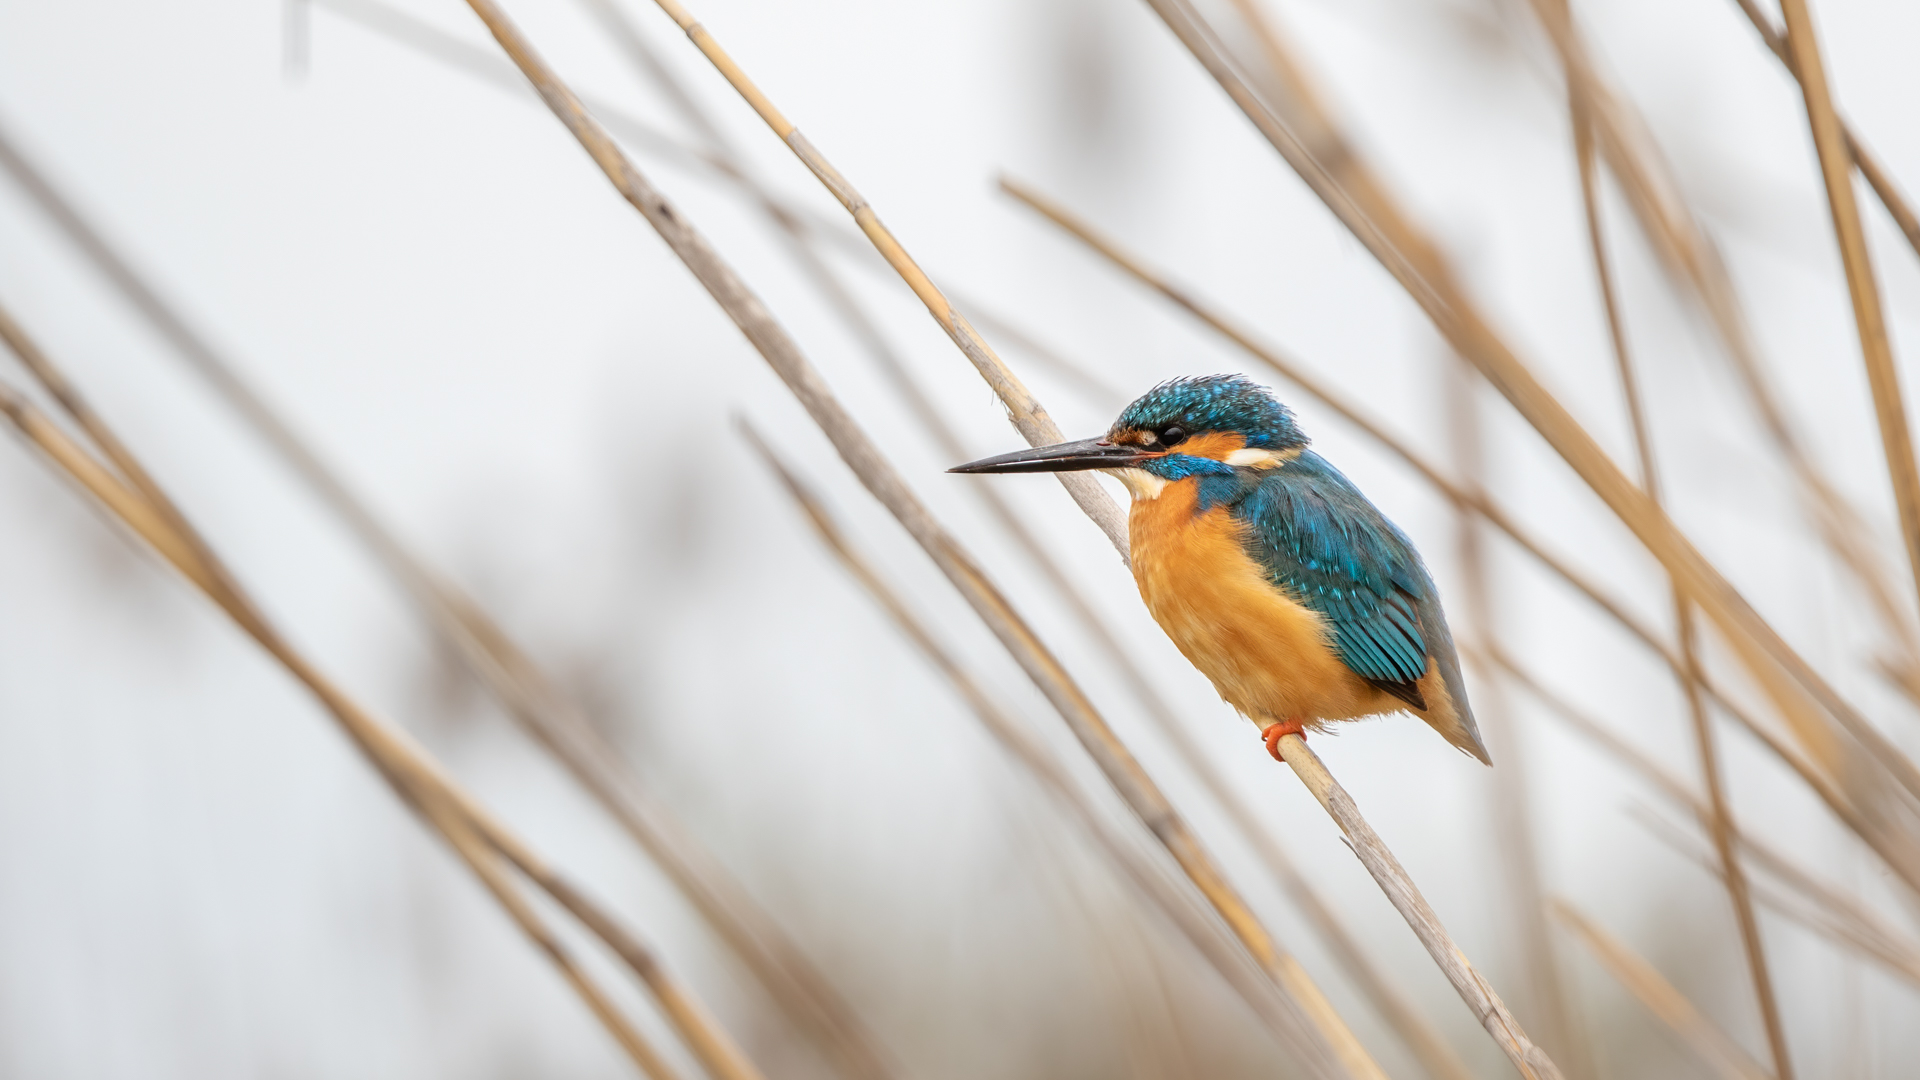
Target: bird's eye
x,y
1172,435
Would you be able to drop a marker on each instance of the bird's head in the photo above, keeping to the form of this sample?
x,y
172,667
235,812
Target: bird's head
x,y
1209,424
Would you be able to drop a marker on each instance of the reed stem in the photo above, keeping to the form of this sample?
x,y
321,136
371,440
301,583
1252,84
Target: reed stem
x,y
1531,1060
783,354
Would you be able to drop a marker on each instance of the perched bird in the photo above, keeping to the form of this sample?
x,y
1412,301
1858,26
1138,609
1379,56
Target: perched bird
x,y
1271,572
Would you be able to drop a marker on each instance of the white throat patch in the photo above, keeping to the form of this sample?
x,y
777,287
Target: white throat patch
x,y
1141,484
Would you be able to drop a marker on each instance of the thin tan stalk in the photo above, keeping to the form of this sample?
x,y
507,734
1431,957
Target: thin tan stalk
x,y
1711,1045
485,864
1831,731
1303,1031
1720,817
1688,253
1513,809
522,687
1421,1037
1816,906
1838,915
403,29
1207,935
1876,348
1025,410
1868,162
1405,896
143,506
1891,848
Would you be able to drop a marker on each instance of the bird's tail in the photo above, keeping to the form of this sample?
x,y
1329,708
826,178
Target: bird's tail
x,y
1451,715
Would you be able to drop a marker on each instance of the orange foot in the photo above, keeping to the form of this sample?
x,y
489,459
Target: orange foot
x,y
1275,732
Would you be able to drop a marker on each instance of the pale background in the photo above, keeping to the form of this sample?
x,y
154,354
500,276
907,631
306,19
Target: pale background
x,y
201,879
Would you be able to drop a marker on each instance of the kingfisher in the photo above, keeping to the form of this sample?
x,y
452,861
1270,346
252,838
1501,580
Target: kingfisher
x,y
1267,567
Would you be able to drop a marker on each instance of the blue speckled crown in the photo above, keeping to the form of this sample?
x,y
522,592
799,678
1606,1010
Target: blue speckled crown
x,y
1216,403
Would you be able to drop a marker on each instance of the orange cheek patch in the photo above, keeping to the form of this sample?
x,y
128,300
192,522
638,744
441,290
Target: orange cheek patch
x,y
1214,444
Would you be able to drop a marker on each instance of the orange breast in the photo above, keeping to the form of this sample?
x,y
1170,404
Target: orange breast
x,y
1267,655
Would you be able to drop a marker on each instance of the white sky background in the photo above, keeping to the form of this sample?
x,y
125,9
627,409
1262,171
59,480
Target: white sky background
x,y
433,281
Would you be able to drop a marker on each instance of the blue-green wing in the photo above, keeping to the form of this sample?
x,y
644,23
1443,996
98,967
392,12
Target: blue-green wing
x,y
1333,551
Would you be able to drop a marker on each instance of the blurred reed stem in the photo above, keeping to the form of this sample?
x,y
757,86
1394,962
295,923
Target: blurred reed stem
x,y
1841,917
1691,259
1493,1014
1876,348
1895,850
1025,410
137,500
1513,810
518,683
1877,177
1208,935
1713,1047
1720,817
1402,1016
1308,1029
1880,779
1815,905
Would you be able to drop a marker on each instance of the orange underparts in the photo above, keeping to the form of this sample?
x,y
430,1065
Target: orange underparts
x,y
1275,732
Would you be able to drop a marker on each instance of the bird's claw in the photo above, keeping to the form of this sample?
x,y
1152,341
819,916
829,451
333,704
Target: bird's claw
x,y
1273,733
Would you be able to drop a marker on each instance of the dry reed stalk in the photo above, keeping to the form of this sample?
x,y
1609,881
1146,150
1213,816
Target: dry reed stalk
x,y
1813,904
1712,1046
484,861
403,29
1899,852
1876,348
1868,162
1421,1038
1208,935
1025,410
132,496
1493,1014
1038,429
508,671
1838,915
1720,818
1882,780
1689,255
865,330
770,339
1513,808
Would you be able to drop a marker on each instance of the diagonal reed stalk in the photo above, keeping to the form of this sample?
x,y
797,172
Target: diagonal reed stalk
x,y
1881,780
1420,1037
1311,1027
1486,1006
1129,860
1025,410
1876,175
1840,916
1711,1045
127,491
1830,144
428,41
1720,818
526,692
1687,252
1813,904
1513,806
1898,851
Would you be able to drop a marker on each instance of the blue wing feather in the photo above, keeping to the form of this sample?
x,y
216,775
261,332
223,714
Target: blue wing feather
x,y
1319,539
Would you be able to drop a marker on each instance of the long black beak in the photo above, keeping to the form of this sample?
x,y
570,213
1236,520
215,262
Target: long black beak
x,y
1060,457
